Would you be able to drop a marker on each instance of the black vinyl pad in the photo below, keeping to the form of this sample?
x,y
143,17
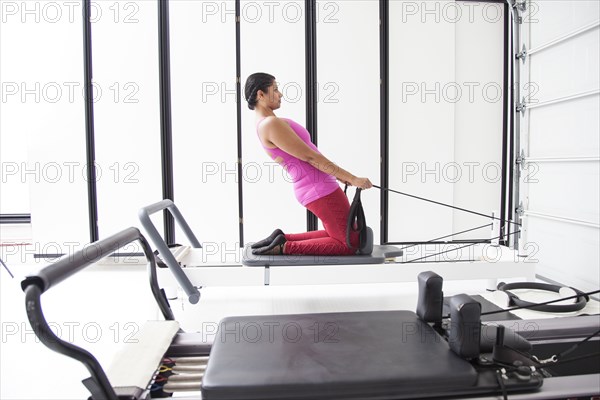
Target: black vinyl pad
x,y
486,306
360,355
378,256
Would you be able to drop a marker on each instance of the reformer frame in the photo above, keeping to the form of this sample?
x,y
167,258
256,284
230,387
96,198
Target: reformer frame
x,y
35,286
267,270
167,332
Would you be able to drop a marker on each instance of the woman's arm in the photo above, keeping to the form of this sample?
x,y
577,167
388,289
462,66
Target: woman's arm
x,y
278,133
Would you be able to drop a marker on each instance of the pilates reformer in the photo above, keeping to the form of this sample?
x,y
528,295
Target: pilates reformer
x,y
443,350
128,379
249,269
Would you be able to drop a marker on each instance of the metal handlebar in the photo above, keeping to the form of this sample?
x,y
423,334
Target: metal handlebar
x,y
162,247
70,265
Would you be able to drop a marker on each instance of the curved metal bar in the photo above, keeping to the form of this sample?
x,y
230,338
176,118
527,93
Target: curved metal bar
x,y
69,265
162,247
158,293
33,286
98,385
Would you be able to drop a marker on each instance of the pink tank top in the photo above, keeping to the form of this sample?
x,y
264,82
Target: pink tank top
x,y
310,184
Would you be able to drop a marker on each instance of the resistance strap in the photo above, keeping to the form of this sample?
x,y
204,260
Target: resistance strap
x,y
451,235
451,250
575,346
446,205
356,222
455,208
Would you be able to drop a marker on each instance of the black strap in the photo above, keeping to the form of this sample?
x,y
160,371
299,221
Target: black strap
x,y
500,380
446,205
356,222
576,345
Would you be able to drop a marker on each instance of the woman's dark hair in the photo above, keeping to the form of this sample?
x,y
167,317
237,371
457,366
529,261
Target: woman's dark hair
x,y
254,83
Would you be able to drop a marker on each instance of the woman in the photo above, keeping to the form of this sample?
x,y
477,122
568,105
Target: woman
x,y
314,177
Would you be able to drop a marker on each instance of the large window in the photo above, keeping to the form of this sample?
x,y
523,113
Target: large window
x,y
446,114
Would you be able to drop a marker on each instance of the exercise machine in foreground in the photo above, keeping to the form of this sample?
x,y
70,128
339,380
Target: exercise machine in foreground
x,y
443,350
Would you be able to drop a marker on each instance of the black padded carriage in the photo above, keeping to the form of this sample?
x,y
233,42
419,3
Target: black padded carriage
x,y
368,254
359,355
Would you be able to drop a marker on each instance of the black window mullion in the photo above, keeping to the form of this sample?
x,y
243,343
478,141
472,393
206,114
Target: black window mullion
x,y
311,86
384,52
238,73
166,132
89,124
15,218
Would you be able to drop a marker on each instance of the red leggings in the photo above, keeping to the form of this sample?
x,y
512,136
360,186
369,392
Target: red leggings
x,y
333,211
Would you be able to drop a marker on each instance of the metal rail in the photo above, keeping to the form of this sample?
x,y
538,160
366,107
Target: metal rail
x,y
162,247
559,159
563,38
562,99
515,10
561,219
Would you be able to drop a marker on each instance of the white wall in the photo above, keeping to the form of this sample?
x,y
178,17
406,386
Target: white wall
x,y
567,252
14,196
